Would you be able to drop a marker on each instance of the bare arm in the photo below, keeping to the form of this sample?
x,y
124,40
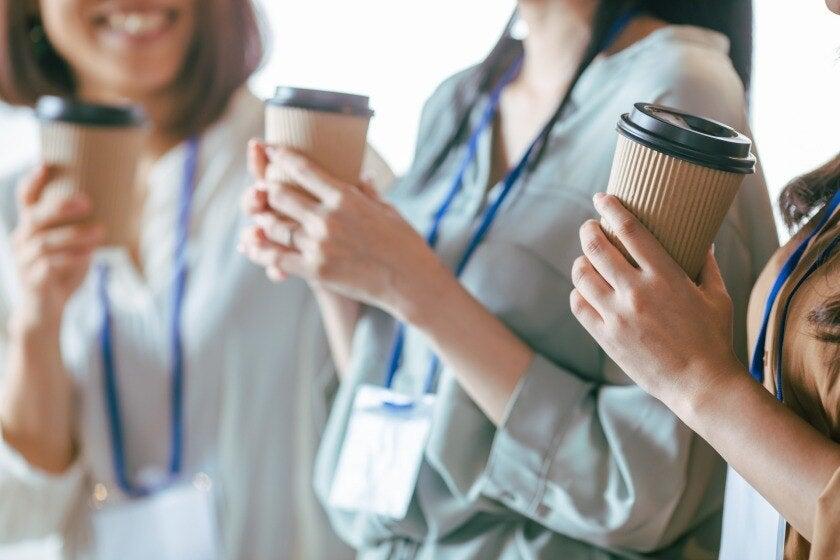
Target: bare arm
x,y
37,410
781,456
340,315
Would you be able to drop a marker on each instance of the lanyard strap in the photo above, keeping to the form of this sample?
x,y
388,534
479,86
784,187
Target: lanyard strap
x,y
179,282
512,178
486,221
757,364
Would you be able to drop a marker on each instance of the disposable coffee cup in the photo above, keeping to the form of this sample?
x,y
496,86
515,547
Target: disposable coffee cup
x,y
328,127
95,149
679,174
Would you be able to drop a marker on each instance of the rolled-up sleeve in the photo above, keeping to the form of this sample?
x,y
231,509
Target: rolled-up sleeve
x,y
603,464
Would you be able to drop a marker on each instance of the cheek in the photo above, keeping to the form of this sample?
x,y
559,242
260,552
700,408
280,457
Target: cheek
x,y
67,31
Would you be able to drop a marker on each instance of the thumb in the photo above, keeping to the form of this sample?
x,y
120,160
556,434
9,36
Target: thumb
x,y
711,279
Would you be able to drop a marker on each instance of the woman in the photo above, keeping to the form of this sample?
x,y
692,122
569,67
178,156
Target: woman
x,y
244,342
674,339
536,446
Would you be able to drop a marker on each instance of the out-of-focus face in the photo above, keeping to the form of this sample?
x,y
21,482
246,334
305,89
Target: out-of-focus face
x,y
125,48
833,5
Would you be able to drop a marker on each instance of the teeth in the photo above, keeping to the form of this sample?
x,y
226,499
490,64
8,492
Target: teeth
x,y
136,23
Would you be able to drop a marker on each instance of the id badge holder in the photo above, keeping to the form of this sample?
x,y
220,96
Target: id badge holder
x,y
176,523
382,452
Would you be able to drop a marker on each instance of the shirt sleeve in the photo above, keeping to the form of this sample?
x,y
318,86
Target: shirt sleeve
x,y
607,465
826,539
34,504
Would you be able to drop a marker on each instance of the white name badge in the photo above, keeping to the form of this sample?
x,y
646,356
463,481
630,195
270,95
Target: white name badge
x,y
382,452
178,523
752,528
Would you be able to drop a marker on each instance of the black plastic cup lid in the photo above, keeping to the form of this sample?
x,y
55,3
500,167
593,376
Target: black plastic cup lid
x,y
50,108
689,137
318,100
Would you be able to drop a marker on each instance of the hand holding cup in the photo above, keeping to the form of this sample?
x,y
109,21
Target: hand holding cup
x,y
52,244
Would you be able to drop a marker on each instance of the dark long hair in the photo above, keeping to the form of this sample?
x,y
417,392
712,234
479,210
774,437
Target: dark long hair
x,y
801,199
733,18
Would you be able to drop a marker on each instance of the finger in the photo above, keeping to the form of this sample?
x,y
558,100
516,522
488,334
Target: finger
x,y
63,239
585,313
639,242
262,251
61,266
711,279
257,158
604,256
591,284
56,211
277,229
368,188
254,201
29,190
307,174
288,201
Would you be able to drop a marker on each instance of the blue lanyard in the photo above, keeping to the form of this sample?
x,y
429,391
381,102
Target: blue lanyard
x,y
112,400
492,211
757,364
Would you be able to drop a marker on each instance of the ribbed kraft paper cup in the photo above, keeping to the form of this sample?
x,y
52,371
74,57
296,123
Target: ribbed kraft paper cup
x,y
328,127
102,162
683,203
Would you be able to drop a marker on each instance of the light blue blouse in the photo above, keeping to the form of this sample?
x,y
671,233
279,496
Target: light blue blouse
x,y
585,463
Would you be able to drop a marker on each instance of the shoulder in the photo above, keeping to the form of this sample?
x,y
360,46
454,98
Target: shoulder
x,y
242,121
688,68
438,116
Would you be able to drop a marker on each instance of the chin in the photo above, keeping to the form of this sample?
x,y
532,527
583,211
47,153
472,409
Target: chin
x,y
137,48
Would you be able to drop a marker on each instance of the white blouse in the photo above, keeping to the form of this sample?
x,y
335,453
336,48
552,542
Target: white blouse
x,y
256,362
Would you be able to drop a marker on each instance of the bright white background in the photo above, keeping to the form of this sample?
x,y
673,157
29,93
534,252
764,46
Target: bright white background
x,y
398,51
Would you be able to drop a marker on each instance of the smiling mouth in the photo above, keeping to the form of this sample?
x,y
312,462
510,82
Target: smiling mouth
x,y
136,24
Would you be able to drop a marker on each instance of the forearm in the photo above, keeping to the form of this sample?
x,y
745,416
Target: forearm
x,y
778,453
340,315
37,407
487,358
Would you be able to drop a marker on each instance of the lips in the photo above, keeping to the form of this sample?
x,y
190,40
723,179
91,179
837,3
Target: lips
x,y
135,23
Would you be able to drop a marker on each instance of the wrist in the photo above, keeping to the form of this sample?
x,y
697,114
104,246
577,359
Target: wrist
x,y
703,385
25,325
417,299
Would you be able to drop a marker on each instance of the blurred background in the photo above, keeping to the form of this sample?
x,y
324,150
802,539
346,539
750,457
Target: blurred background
x,y
397,52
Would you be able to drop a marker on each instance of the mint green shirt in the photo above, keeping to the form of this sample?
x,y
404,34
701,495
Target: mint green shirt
x,y
585,463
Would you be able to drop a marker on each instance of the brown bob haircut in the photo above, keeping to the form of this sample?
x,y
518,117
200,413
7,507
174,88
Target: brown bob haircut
x,y
227,48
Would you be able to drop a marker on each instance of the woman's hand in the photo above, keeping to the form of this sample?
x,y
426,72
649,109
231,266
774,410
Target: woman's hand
x,y
667,333
338,236
52,249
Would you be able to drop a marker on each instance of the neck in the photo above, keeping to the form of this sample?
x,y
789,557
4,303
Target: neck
x,y
558,33
157,108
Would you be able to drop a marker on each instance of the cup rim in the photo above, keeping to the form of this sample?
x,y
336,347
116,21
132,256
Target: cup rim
x,y
701,140
52,108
